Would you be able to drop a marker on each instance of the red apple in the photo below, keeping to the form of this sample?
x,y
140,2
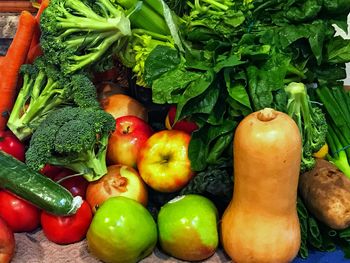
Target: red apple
x,y
7,242
120,180
185,125
163,161
125,142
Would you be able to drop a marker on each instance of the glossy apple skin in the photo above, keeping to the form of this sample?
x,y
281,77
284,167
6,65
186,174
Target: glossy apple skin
x,y
7,242
122,231
120,180
187,227
125,142
163,161
120,105
182,125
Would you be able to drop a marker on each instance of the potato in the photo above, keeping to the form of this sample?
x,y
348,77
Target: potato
x,y
326,193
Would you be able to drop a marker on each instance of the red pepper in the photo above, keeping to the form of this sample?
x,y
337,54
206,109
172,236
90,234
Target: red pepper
x,y
10,144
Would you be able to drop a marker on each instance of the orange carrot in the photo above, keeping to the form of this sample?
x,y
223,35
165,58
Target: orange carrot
x,y
33,53
43,5
10,66
36,35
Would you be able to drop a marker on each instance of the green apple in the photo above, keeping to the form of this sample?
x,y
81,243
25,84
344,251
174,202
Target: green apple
x,y
122,231
187,227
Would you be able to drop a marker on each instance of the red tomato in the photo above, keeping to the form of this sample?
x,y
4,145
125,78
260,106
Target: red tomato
x,y
67,229
20,215
10,144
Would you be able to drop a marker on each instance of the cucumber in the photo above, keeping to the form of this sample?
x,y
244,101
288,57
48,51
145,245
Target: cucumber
x,y
37,189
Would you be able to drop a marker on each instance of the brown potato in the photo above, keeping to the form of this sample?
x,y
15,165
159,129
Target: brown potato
x,y
326,193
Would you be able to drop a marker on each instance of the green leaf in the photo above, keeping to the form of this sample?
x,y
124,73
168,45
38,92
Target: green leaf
x,y
338,50
239,93
171,86
203,140
161,60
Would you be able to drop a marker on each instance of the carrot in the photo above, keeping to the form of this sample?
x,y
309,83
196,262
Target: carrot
x,y
10,66
36,35
33,53
43,5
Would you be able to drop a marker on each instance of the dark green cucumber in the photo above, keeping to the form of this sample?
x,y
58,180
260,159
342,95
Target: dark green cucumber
x,y
37,189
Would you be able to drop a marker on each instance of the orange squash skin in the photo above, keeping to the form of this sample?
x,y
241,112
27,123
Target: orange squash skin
x,y
261,224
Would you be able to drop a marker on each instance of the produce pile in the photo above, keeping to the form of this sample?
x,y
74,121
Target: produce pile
x,y
196,124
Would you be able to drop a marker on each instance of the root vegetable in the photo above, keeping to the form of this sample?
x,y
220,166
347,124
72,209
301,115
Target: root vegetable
x,y
326,193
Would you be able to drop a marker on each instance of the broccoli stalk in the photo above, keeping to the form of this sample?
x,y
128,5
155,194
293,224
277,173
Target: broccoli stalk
x,y
75,138
310,120
42,91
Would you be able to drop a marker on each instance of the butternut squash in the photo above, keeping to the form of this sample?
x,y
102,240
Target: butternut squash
x,y
261,222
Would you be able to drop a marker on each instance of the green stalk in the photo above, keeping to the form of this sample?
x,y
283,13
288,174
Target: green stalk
x,y
110,7
86,24
216,4
85,60
82,9
339,95
156,6
339,157
142,16
91,39
14,121
330,104
37,86
37,106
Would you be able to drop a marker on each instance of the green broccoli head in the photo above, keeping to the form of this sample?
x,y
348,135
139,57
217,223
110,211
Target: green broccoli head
x,y
319,129
310,120
75,138
78,33
43,90
83,91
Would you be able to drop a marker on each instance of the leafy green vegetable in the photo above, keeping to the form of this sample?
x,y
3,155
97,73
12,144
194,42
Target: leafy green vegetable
x,y
336,103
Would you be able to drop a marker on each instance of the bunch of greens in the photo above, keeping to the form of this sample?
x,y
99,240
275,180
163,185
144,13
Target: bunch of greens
x,y
336,103
218,80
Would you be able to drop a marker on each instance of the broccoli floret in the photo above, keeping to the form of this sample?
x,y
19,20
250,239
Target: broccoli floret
x,y
310,120
75,138
77,33
43,90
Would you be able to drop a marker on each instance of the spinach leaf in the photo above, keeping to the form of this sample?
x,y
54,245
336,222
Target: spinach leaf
x,y
203,139
338,50
161,60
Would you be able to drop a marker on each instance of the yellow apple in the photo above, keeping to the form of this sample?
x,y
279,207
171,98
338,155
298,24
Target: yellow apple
x,y
163,161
